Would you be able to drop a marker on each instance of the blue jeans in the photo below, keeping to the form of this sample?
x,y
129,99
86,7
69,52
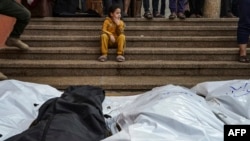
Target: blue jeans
x,y
179,7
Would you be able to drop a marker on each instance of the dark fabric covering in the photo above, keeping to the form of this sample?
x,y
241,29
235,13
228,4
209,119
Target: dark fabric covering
x,y
40,8
67,7
75,8
75,116
243,30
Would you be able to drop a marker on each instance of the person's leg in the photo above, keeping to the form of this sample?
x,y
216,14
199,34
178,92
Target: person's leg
x,y
226,9
229,9
104,44
192,8
107,4
13,9
180,6
138,5
243,30
180,9
199,7
172,6
173,9
2,76
243,53
155,5
104,7
146,6
223,9
126,6
163,7
121,43
147,13
243,49
235,4
104,47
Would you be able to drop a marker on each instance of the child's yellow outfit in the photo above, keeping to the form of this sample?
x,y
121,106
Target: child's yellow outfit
x,y
110,28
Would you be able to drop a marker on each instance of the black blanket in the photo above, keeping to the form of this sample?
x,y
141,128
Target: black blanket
x,y
75,116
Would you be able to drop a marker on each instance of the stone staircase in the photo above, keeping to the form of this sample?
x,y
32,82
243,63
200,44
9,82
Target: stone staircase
x,y
159,52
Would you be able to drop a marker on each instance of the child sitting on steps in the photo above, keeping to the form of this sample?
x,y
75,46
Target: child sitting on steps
x,y
113,34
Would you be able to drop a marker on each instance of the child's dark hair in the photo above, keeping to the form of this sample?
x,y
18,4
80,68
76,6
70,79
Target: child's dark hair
x,y
112,9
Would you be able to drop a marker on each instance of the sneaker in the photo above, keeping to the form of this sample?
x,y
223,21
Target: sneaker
x,y
3,77
17,43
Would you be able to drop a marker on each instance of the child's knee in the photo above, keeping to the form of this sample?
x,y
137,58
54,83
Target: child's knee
x,y
104,36
122,37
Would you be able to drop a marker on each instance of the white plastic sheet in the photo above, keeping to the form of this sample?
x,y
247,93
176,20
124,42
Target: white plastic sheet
x,y
229,100
19,104
167,113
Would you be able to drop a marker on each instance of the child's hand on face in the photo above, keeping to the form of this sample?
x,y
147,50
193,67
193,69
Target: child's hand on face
x,y
112,38
117,21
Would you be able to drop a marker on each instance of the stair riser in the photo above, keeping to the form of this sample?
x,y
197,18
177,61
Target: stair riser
x,y
126,72
69,32
129,56
141,23
155,43
129,88
130,84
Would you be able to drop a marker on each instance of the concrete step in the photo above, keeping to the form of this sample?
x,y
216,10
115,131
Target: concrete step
x,y
158,52
129,84
81,30
84,21
131,53
127,68
133,41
